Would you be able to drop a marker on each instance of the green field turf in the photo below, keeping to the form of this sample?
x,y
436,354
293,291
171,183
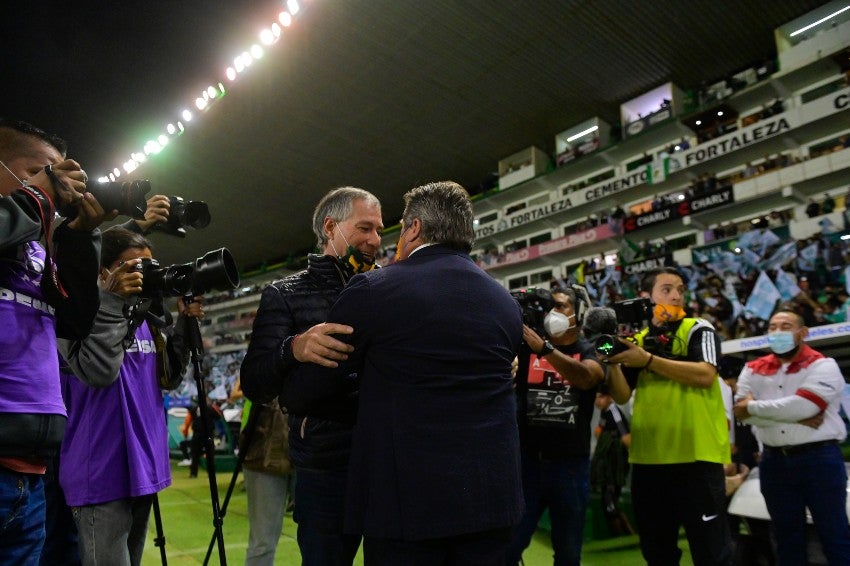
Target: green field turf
x,y
187,522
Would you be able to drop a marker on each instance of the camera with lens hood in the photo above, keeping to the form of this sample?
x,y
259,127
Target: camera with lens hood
x,y
215,270
128,198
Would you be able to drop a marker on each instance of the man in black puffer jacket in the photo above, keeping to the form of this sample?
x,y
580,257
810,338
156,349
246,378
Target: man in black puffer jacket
x,y
290,329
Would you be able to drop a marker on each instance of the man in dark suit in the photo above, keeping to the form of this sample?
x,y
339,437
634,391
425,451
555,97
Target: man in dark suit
x,y
434,476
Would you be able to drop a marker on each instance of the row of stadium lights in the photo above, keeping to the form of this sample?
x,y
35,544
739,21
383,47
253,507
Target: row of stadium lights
x,y
268,36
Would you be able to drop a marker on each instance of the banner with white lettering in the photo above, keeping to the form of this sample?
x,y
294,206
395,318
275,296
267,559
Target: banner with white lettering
x,y
679,210
601,232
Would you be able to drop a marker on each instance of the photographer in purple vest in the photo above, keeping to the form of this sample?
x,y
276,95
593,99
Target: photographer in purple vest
x,y
115,452
45,291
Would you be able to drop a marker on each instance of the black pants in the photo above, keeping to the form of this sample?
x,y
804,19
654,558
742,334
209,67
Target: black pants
x,y
487,548
669,496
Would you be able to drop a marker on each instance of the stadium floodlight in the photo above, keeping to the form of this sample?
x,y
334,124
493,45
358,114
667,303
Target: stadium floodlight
x,y
582,134
820,21
293,6
187,115
230,73
257,51
267,37
285,19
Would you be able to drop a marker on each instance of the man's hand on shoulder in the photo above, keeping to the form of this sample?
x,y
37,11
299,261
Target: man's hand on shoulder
x,y
316,345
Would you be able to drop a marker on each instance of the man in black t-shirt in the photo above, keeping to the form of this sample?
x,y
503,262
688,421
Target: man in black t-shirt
x,y
555,441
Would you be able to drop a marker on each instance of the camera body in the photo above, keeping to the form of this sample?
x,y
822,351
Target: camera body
x,y
158,281
535,304
215,270
182,214
129,199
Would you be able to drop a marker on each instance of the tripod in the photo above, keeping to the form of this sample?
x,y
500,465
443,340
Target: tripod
x,y
196,349
243,452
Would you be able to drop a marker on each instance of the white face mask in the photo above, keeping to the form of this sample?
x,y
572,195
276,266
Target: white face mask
x,y
557,324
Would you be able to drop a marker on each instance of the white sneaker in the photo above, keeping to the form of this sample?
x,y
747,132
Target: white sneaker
x,y
186,462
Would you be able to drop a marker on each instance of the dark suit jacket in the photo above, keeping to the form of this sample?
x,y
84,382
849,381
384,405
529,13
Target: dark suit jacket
x,y
436,449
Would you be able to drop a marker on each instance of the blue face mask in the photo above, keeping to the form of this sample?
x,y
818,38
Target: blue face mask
x,y
781,342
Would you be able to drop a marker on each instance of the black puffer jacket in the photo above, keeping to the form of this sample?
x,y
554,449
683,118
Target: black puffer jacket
x,y
288,307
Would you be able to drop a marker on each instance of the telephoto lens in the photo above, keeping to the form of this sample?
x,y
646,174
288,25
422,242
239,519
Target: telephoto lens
x,y
128,198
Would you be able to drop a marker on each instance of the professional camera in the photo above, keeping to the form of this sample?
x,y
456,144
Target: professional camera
x,y
182,213
634,313
128,198
535,304
215,270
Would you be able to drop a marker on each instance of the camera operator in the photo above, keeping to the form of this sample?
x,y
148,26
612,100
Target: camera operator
x,y
680,437
289,331
555,444
43,293
115,452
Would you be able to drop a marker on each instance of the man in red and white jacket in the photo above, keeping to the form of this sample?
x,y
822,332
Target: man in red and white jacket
x,y
792,398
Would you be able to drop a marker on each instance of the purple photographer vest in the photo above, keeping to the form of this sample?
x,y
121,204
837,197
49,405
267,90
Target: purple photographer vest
x,y
116,441
29,368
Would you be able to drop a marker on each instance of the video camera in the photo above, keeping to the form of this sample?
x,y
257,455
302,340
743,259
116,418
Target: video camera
x,y
128,198
215,270
535,304
632,313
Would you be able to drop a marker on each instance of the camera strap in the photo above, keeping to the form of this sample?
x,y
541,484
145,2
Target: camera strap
x,y
139,312
46,212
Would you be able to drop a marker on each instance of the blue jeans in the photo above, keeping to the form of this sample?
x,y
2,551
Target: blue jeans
x,y
816,479
266,506
320,514
22,511
60,541
563,487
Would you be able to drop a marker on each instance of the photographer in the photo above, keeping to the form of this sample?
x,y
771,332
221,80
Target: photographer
x,y
555,443
43,293
680,438
115,452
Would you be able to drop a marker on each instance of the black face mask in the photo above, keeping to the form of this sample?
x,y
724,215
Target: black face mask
x,y
354,261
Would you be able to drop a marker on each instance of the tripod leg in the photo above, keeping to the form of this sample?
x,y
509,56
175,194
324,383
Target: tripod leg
x,y
160,534
249,433
196,348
